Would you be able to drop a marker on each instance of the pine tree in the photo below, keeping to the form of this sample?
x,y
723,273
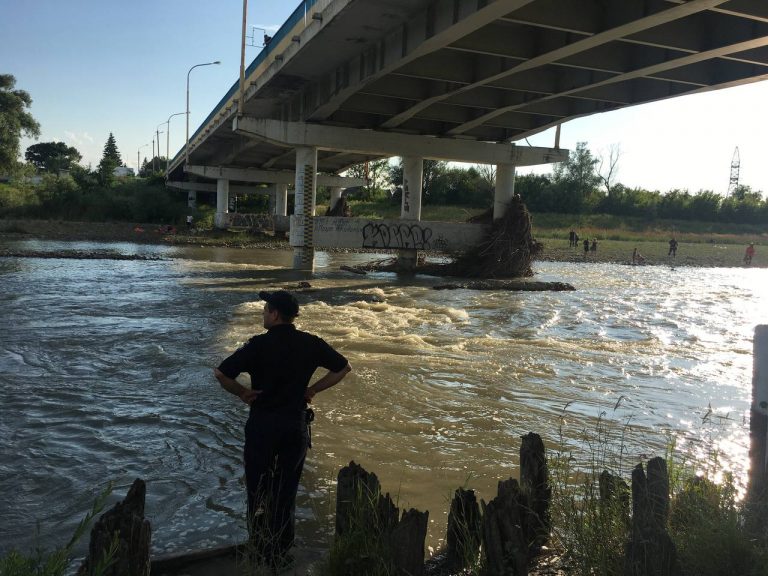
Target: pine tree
x,y
109,161
111,151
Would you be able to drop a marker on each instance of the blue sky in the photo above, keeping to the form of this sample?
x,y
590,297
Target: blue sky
x,y
98,66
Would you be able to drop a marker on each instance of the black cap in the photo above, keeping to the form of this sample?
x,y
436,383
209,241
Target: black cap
x,y
282,301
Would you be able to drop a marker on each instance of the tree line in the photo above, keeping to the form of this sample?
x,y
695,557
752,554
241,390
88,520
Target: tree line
x,y
583,184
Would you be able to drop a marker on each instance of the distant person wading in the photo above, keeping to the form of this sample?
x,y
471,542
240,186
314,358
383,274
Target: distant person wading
x,y
749,254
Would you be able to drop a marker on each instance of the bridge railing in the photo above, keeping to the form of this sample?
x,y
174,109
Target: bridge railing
x,y
299,13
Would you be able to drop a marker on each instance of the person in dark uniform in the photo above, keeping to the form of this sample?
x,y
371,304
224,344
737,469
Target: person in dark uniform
x,y
672,248
280,362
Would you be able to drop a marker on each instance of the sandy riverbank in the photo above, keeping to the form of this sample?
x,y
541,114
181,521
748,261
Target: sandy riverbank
x,y
611,251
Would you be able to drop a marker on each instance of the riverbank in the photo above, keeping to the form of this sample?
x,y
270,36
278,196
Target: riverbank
x,y
694,254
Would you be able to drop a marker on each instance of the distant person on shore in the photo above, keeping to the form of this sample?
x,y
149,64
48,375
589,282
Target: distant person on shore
x,y
672,248
189,222
593,247
571,238
281,363
749,254
637,258
575,240
586,247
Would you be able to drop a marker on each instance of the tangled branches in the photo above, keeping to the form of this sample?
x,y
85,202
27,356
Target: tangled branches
x,y
506,251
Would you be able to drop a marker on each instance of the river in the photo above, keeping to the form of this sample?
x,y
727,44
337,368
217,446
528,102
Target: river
x,y
106,375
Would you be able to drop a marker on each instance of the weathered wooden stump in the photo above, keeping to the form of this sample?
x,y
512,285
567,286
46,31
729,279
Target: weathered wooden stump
x,y
505,543
357,499
650,551
614,494
534,480
463,535
125,528
406,543
362,510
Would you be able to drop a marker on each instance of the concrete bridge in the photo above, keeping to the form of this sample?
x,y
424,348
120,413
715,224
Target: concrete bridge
x,y
346,81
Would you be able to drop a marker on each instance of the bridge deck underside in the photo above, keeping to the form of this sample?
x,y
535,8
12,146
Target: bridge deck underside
x,y
492,71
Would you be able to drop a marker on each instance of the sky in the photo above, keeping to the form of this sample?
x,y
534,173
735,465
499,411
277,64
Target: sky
x,y
98,66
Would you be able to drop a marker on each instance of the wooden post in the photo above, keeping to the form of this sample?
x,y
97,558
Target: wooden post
x,y
614,491
758,419
504,542
407,543
361,509
357,499
463,535
534,480
650,552
126,524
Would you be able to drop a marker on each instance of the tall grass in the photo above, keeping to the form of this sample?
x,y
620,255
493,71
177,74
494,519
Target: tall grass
x,y
40,562
591,512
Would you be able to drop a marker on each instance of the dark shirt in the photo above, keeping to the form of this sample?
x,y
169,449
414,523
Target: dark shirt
x,y
281,362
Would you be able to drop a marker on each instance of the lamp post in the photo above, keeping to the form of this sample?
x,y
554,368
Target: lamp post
x,y
186,147
167,141
157,131
138,159
155,155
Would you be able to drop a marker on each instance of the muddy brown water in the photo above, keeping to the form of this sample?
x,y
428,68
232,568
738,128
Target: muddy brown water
x,y
105,374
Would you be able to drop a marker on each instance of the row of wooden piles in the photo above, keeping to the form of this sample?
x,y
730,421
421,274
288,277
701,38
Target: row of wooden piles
x,y
503,537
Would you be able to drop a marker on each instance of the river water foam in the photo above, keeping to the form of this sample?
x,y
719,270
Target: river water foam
x,y
105,374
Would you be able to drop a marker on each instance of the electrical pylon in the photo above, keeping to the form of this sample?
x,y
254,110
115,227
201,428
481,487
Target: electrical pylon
x,y
735,166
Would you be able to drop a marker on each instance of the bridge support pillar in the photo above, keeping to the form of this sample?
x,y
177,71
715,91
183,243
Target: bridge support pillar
x,y
221,220
304,208
281,199
191,199
413,176
505,189
335,196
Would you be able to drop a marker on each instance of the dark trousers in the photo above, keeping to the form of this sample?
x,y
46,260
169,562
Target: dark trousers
x,y
275,448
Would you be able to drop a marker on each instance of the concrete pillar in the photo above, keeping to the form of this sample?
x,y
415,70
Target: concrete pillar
x,y
191,199
304,208
413,177
222,204
281,199
335,196
505,189
413,183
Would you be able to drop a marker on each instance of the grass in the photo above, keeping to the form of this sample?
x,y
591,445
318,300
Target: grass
x,y
57,562
707,523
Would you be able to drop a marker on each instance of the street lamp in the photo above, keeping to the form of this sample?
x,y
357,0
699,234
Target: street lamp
x,y
186,147
155,155
138,159
167,141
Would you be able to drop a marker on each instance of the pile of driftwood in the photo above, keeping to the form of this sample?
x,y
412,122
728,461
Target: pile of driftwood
x,y
507,249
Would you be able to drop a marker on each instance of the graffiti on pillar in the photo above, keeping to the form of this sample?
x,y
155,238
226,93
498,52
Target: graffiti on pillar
x,y
440,244
254,222
380,235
